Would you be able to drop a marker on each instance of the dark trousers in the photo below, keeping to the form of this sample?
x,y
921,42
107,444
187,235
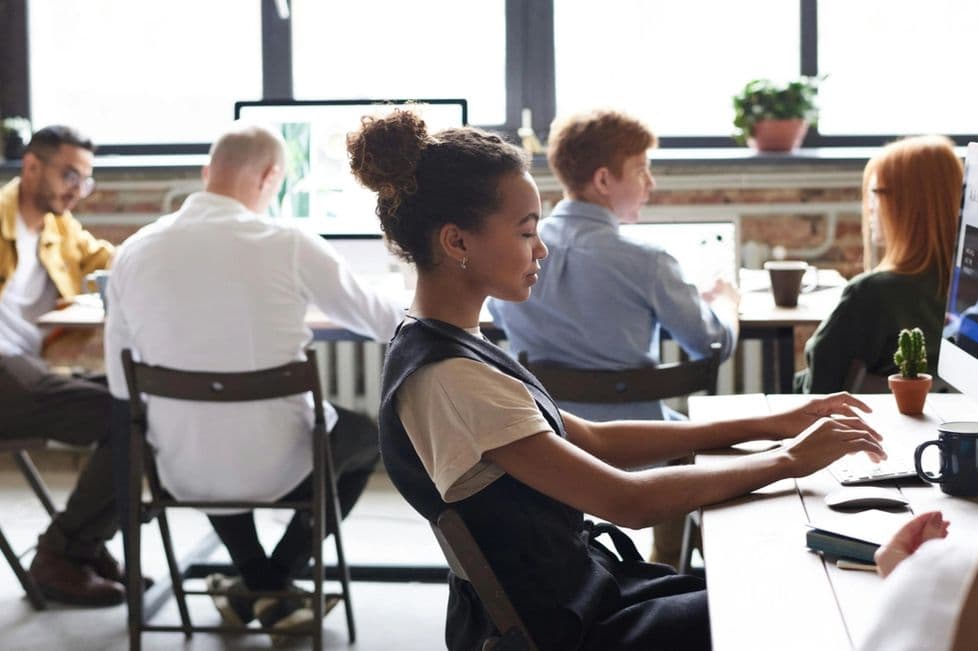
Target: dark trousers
x,y
353,442
35,403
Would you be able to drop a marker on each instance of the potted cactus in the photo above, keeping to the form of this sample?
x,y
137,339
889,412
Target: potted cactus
x,y
911,384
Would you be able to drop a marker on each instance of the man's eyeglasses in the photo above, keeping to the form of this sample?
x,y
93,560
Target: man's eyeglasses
x,y
73,179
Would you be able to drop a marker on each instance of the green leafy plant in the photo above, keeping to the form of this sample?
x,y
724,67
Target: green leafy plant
x,y
18,125
15,133
911,353
762,99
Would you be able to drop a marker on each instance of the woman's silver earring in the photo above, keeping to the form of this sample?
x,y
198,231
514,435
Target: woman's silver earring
x,y
464,262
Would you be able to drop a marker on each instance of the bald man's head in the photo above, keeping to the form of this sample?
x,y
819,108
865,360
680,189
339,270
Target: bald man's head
x,y
247,164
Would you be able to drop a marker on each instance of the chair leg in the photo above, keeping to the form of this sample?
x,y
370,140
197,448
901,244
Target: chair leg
x,y
134,572
33,477
317,578
344,571
26,580
689,530
318,534
342,567
176,577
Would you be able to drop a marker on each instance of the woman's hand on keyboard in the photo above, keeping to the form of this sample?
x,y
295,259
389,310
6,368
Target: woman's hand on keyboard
x,y
788,423
827,439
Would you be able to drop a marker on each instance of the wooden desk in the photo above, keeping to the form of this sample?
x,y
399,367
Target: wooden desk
x,y
90,314
759,319
775,326
766,589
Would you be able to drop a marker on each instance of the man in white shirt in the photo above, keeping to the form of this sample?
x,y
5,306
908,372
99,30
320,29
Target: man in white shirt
x,y
44,255
215,286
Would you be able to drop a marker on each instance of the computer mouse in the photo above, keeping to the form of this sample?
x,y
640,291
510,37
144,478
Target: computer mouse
x,y
866,497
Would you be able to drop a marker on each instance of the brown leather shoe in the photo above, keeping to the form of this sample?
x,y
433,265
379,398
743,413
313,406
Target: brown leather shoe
x,y
62,579
107,567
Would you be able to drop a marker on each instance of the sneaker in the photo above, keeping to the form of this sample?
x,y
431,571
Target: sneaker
x,y
292,614
236,608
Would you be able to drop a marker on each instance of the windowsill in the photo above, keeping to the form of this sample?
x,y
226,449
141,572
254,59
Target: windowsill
x,y
746,155
665,157
120,163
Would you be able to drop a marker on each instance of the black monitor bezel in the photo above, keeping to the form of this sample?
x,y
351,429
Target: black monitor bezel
x,y
240,104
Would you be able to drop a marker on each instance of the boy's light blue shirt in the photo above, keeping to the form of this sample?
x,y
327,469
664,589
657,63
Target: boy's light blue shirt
x,y
600,302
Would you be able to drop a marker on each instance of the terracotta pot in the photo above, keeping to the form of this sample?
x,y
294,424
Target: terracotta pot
x,y
910,393
13,146
778,135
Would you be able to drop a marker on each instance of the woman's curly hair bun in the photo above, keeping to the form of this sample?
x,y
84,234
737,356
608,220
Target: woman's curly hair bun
x,y
384,155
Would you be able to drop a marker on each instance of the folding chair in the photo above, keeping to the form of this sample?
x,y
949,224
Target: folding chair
x,y
289,379
633,385
469,564
18,449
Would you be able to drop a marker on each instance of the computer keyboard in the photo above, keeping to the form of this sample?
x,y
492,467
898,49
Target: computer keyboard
x,y
859,469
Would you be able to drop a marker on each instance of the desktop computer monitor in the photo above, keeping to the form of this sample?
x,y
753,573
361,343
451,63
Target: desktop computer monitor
x,y
958,364
319,190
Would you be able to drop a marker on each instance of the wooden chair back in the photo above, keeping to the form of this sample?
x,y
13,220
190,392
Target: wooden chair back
x,y
628,385
467,561
294,378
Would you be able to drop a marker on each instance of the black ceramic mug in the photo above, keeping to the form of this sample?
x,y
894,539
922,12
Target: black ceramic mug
x,y
958,444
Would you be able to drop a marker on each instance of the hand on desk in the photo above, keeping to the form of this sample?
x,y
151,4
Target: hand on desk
x,y
924,527
722,292
724,299
789,423
830,428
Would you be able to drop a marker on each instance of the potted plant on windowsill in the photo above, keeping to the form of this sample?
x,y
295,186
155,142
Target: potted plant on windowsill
x,y
775,117
911,384
15,133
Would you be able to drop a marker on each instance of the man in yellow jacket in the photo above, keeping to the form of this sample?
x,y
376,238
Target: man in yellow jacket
x,y
44,256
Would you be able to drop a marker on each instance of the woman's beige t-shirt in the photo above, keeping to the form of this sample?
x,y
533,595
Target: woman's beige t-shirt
x,y
457,409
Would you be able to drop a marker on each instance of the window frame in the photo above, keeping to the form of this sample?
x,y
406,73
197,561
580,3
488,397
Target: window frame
x,y
530,83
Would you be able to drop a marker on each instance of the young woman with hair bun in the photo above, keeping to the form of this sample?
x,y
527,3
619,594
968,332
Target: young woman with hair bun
x,y
462,425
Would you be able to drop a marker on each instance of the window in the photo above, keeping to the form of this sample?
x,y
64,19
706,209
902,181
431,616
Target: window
x,y
376,49
895,66
674,63
154,75
143,72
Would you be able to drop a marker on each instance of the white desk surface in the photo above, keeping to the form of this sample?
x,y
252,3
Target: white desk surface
x,y
757,306
90,314
766,589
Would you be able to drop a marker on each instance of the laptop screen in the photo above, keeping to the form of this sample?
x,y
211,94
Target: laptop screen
x,y
704,249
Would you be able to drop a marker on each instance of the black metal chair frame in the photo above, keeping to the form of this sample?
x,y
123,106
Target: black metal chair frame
x,y
289,379
18,449
634,385
467,561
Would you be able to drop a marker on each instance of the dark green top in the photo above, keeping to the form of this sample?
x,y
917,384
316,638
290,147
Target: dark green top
x,y
865,325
